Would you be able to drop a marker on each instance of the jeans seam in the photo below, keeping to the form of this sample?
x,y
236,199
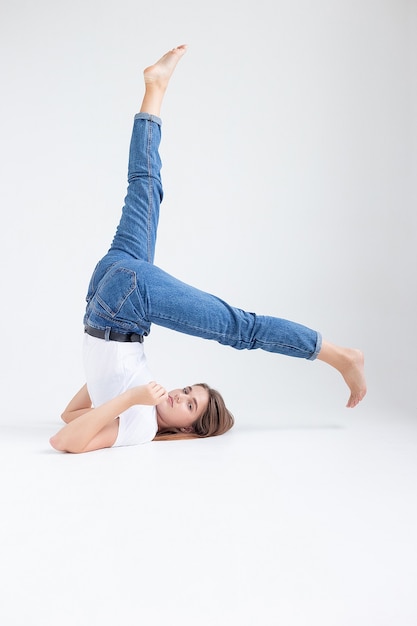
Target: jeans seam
x,y
150,186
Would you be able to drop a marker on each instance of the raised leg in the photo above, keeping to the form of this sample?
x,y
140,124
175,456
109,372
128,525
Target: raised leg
x,y
136,232
183,308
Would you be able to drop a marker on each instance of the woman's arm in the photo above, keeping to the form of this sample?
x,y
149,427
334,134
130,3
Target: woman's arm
x,y
80,404
97,428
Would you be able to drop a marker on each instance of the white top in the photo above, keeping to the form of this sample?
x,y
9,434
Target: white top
x,y
111,367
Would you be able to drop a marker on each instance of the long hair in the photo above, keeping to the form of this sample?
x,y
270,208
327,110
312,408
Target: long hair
x,y
215,420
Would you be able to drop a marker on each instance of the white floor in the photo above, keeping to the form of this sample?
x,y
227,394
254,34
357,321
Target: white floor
x,y
288,527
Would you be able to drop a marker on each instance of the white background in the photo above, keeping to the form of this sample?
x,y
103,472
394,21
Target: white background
x,y
289,149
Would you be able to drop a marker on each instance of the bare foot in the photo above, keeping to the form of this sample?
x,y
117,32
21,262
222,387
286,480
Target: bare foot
x,y
354,375
158,75
350,363
157,78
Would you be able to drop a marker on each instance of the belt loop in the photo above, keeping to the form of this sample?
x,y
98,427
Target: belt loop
x,y
107,333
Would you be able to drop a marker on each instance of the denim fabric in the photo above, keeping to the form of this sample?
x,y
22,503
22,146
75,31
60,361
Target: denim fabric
x,y
128,293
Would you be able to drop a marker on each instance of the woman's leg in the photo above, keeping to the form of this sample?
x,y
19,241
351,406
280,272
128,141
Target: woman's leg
x,y
178,306
136,232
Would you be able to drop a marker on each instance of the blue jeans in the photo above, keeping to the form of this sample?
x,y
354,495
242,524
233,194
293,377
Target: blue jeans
x,y
127,293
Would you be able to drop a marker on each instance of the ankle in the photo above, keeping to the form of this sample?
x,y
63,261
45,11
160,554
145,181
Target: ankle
x,y
155,85
336,356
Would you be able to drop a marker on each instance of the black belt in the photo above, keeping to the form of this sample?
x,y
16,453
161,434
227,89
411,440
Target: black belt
x,y
112,335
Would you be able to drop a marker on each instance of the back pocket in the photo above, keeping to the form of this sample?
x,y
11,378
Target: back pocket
x,y
115,288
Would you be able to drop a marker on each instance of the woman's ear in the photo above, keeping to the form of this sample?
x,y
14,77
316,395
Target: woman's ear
x,y
187,429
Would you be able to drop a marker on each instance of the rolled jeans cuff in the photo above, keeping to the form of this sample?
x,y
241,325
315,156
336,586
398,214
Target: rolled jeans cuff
x,y
149,117
318,347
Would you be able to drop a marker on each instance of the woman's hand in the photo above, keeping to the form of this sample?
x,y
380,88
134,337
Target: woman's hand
x,y
150,394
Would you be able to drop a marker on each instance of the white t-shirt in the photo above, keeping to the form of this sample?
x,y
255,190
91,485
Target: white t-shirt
x,y
111,367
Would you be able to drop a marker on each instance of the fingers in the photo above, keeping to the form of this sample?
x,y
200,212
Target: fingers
x,y
158,391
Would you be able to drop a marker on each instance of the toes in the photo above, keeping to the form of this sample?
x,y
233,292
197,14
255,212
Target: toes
x,y
352,402
355,399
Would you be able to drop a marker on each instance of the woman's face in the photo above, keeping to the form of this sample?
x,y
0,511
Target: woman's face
x,y
182,407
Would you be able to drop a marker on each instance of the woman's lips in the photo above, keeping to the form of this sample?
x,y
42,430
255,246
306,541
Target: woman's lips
x,y
171,401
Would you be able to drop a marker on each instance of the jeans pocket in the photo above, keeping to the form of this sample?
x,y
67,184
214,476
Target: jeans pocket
x,y
115,288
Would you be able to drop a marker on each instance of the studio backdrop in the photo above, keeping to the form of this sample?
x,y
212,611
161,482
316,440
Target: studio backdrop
x,y
289,160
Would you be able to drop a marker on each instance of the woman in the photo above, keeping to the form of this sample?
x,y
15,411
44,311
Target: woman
x,y
127,293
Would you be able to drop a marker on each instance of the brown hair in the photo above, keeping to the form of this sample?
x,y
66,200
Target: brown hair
x,y
215,420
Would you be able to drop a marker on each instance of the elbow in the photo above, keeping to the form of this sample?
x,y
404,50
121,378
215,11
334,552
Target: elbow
x,y
58,443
